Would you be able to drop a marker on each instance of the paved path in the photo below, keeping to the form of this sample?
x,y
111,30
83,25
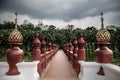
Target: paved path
x,y
59,69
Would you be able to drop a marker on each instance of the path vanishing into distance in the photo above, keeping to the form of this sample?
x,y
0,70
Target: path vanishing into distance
x,y
59,68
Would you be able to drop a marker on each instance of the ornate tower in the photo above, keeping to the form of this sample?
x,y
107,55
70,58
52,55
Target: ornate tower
x,y
103,54
14,55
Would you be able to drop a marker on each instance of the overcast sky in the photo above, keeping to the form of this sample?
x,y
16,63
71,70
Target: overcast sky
x,y
80,13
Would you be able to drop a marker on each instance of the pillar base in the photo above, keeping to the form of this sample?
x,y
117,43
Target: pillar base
x,y
13,72
101,71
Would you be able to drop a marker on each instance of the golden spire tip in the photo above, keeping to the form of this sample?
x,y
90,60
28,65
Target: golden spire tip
x,y
16,20
102,19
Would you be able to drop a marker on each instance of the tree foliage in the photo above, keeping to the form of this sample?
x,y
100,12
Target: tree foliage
x,y
59,36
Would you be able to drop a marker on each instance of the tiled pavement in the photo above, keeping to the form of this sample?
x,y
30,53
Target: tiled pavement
x,y
59,69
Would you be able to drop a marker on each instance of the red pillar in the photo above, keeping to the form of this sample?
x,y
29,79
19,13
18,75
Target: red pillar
x,y
36,52
67,49
75,44
50,46
43,50
103,54
70,46
50,50
64,47
70,52
67,46
14,55
75,51
43,46
36,48
81,50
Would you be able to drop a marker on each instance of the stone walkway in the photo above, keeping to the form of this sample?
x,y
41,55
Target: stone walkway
x,y
59,69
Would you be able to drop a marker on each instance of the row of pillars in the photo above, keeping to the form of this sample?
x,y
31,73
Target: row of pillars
x,y
40,54
76,52
15,55
102,54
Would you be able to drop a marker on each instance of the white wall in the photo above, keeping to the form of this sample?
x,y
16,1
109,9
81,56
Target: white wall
x,y
89,71
28,71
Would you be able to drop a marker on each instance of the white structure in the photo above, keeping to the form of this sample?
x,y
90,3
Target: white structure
x,y
89,71
28,71
112,72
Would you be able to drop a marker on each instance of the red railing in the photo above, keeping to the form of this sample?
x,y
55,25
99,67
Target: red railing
x,y
41,54
72,58
77,53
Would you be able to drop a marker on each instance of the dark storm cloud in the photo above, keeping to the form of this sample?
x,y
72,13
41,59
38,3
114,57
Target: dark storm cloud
x,y
60,9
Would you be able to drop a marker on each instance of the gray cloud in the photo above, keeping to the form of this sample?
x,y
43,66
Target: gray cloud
x,y
66,10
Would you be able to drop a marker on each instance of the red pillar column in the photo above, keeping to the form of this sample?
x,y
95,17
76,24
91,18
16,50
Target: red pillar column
x,y
70,52
36,52
14,55
43,50
75,44
75,51
81,51
70,46
50,46
43,46
67,49
36,48
49,49
103,54
64,47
